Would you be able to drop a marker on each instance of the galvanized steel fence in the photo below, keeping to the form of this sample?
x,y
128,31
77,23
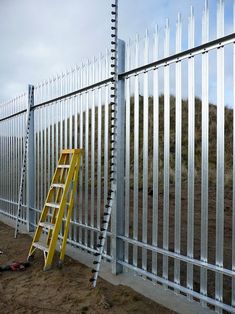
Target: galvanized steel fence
x,y
175,220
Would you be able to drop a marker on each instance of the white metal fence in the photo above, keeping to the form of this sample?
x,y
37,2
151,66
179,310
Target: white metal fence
x,y
176,218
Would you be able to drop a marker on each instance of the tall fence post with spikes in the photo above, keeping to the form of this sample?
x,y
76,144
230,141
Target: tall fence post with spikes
x,y
28,155
30,187
115,199
118,212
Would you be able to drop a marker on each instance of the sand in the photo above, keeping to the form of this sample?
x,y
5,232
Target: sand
x,y
63,290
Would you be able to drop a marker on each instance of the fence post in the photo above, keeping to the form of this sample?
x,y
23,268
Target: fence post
x,y
118,209
30,186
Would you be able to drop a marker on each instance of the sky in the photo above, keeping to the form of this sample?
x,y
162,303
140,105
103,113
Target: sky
x,y
40,38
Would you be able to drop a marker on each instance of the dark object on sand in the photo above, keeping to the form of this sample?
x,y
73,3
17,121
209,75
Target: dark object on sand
x,y
14,266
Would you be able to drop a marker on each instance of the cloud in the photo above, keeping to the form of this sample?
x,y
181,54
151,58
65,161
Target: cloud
x,y
41,37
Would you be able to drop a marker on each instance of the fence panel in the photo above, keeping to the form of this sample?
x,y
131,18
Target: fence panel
x,y
179,227
13,122
79,120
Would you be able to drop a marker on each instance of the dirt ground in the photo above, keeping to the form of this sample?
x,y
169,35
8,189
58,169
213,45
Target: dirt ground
x,y
63,290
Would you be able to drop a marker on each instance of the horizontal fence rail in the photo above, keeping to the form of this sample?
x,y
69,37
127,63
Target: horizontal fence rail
x,y
179,147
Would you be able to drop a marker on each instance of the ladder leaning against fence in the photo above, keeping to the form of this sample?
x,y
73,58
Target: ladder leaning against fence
x,y
59,202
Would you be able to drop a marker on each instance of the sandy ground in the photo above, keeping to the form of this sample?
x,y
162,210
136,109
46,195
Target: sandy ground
x,y
60,290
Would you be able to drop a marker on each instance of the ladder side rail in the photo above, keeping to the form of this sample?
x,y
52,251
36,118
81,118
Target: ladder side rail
x,y
70,208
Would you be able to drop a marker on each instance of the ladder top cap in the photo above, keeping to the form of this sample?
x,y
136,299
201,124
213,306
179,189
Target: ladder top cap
x,y
73,151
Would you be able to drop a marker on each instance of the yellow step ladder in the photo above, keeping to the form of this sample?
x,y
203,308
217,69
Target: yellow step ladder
x,y
59,203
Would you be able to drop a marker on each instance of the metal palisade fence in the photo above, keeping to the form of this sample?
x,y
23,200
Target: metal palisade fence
x,y
174,222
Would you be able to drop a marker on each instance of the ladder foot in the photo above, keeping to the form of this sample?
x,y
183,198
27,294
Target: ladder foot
x,y
30,258
60,264
47,268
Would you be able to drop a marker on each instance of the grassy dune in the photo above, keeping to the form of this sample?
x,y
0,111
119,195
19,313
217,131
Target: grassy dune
x,y
198,139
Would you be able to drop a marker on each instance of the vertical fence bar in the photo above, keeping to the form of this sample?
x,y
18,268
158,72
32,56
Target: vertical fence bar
x,y
155,152
99,144
93,155
1,161
204,158
24,211
41,154
37,113
166,152
145,157
6,163
8,169
53,140
10,161
57,114
18,157
178,135
220,157
118,213
15,161
136,156
76,111
4,160
9,165
81,145
15,158
62,118
191,140
71,102
61,113
48,126
1,158
86,154
30,164
127,157
45,109
71,138
65,110
233,223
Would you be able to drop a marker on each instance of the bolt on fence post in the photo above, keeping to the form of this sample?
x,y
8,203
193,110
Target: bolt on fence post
x,y
118,212
30,183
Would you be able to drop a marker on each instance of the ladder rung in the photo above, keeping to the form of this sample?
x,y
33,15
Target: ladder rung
x,y
58,185
54,205
72,151
40,246
63,166
46,225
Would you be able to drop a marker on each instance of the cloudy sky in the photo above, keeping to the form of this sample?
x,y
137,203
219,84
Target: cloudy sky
x,y
43,37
